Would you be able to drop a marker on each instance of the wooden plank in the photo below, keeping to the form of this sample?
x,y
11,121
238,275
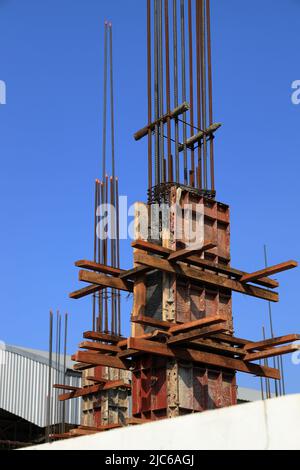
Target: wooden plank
x,y
101,268
205,264
175,113
134,272
81,392
200,357
82,432
126,353
96,359
230,340
153,334
57,437
149,321
92,346
66,387
278,268
197,275
267,343
81,367
218,347
272,352
196,334
197,324
136,421
93,389
106,281
91,378
183,254
152,248
79,294
102,337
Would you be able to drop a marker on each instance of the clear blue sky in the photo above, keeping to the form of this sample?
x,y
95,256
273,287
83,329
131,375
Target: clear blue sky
x,y
51,60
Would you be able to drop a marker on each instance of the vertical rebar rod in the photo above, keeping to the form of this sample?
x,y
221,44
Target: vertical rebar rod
x,y
95,250
118,252
191,68
112,104
161,93
56,371
156,95
105,260
112,247
210,94
282,376
203,83
175,60
271,320
64,371
105,100
183,80
168,90
149,86
59,419
262,384
199,75
266,362
100,252
48,420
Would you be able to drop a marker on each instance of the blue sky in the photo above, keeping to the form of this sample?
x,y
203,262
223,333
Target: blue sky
x,y
51,60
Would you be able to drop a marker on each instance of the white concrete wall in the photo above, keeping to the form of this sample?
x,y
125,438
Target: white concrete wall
x,y
273,424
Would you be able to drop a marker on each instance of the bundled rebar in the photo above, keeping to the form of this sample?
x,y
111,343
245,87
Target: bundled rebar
x,y
181,74
107,303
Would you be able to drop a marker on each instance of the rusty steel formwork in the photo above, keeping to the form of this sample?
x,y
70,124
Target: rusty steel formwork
x,y
109,407
163,388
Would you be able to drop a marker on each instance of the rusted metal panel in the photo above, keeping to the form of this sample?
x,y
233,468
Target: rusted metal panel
x,y
200,388
182,302
154,296
159,386
214,390
186,387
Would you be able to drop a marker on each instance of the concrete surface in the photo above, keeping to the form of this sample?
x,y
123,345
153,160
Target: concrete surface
x,y
272,424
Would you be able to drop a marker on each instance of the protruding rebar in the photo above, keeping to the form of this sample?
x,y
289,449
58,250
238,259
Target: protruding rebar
x,y
48,420
191,71
183,83
203,83
210,94
175,58
112,104
65,370
149,86
105,99
168,90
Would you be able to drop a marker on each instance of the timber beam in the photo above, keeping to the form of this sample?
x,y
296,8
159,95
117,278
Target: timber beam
x,y
95,346
181,255
194,274
196,334
106,281
97,359
183,108
267,343
272,352
200,357
197,324
107,338
79,294
201,263
278,268
93,389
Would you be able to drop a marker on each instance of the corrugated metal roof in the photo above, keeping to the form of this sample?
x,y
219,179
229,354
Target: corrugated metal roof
x,y
24,375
